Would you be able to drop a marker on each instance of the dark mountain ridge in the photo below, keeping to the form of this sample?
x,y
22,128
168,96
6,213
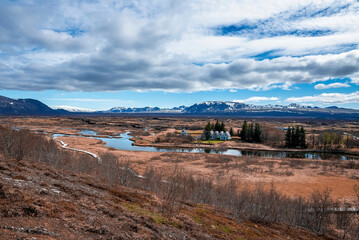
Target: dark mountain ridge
x,y
10,106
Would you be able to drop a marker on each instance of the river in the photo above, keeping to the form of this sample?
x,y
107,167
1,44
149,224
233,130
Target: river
x,y
123,142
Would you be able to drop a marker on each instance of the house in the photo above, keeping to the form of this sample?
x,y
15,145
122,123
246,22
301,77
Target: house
x,y
227,135
221,136
183,133
212,135
224,136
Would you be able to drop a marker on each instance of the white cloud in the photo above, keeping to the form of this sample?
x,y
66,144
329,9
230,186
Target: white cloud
x,y
257,99
327,98
175,45
83,99
322,86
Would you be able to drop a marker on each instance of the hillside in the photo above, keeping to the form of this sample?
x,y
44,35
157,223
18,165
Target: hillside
x,y
9,106
40,202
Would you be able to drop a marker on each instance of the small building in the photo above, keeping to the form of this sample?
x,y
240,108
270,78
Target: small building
x,y
221,136
183,133
227,135
224,136
215,135
212,135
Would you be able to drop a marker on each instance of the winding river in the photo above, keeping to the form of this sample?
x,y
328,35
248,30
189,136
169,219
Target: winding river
x,y
123,142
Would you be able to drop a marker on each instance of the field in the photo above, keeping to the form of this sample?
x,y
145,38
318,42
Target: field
x,y
291,177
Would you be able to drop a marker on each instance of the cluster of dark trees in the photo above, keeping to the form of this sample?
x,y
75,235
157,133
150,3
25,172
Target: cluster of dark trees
x,y
213,127
295,137
251,133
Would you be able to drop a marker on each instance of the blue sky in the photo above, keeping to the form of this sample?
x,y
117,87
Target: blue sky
x,y
103,54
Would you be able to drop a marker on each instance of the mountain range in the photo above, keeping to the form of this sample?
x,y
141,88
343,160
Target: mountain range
x,y
9,106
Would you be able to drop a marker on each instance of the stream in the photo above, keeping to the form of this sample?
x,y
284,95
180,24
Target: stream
x,y
123,142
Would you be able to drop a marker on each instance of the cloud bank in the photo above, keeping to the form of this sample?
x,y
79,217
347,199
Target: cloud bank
x,y
328,98
176,45
257,99
322,86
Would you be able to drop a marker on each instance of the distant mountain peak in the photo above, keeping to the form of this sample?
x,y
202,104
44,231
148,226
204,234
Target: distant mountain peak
x,y
73,109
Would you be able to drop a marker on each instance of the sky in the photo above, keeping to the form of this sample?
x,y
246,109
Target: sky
x,y
99,54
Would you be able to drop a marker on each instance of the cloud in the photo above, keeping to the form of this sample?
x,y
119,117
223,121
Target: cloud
x,y
327,98
83,99
155,45
257,99
322,86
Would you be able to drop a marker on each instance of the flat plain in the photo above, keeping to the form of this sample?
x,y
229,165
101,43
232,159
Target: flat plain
x,y
290,176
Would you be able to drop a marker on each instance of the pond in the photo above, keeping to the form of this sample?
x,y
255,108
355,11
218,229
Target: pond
x,y
124,143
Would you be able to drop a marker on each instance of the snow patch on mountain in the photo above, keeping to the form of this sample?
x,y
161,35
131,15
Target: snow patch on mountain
x,y
73,109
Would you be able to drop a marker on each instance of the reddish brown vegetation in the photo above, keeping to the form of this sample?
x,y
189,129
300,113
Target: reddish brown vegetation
x,y
48,203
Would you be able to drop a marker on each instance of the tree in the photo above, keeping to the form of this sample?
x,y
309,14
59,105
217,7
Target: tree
x,y
302,138
257,133
326,139
217,126
250,133
295,137
288,137
244,131
222,127
207,131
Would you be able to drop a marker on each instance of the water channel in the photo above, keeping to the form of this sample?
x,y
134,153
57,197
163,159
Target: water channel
x,y
123,142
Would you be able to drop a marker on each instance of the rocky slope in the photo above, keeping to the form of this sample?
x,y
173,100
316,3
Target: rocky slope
x,y
40,202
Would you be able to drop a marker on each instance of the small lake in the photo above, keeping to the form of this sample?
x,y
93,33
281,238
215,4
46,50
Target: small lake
x,y
124,143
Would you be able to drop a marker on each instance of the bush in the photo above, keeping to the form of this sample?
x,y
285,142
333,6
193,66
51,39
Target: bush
x,y
174,138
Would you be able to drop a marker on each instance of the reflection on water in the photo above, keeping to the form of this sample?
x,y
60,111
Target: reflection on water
x,y
124,143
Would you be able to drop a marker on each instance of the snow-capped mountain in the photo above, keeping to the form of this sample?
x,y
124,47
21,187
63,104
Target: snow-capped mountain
x,y
215,107
179,109
132,110
73,109
10,106
228,108
231,107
